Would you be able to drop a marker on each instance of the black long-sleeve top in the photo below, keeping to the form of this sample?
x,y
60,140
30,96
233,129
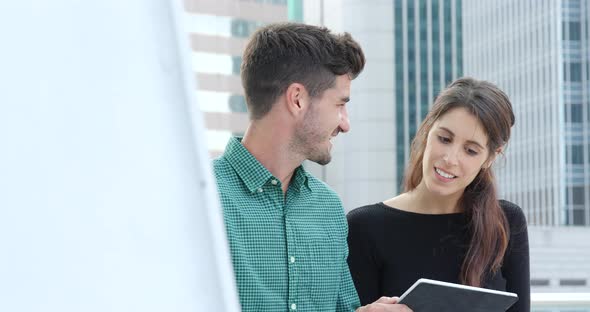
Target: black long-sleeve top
x,y
390,249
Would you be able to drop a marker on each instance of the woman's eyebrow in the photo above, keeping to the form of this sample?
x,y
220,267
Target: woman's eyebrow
x,y
468,141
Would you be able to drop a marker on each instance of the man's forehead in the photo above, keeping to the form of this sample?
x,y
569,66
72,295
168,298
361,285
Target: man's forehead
x,y
342,85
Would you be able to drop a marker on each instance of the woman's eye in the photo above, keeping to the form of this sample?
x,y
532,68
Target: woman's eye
x,y
444,139
472,152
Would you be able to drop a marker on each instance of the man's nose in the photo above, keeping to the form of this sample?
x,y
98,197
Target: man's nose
x,y
344,121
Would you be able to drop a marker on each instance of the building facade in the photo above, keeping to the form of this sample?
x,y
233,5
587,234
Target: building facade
x,y
538,52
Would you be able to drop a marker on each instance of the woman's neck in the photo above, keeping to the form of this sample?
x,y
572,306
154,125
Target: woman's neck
x,y
425,201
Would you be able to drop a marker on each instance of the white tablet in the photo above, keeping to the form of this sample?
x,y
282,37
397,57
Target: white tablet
x,y
435,296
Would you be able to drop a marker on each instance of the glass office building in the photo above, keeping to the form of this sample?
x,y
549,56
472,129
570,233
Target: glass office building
x,y
538,52
428,56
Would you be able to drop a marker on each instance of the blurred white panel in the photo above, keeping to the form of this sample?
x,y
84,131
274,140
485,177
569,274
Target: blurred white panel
x,y
107,201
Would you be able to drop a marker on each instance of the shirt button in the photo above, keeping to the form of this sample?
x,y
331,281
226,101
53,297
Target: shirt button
x,y
260,190
292,259
293,306
274,182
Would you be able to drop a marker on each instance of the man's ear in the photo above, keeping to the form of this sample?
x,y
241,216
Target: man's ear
x,y
297,99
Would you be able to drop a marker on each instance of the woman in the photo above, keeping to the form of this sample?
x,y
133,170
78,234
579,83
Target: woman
x,y
448,225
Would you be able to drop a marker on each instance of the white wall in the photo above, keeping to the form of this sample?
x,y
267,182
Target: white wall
x,y
559,253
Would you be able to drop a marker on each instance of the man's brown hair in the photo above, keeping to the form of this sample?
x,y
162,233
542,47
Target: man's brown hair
x,y
281,54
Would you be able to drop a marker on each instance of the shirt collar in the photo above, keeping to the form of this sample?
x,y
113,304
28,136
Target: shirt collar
x,y
300,179
252,172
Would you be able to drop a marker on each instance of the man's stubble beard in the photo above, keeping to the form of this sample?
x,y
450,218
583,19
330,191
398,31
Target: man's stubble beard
x,y
308,141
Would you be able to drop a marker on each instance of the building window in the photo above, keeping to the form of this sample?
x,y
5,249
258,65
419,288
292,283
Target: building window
x,y
243,28
423,99
573,113
539,282
575,217
411,67
572,282
572,31
236,63
273,2
400,169
574,195
574,154
413,106
237,103
448,57
399,91
459,34
295,9
573,71
435,48
579,217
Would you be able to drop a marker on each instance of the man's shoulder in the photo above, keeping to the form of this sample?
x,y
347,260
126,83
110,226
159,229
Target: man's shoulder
x,y
322,188
230,188
225,175
219,161
221,166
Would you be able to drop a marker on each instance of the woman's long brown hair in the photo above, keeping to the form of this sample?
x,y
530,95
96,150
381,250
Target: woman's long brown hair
x,y
488,227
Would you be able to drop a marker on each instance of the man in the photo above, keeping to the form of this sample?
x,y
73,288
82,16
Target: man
x,y
286,229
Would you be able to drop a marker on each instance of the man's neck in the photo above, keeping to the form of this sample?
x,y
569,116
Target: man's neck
x,y
269,144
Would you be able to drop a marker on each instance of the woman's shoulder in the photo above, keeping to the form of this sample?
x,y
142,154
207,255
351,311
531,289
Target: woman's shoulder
x,y
514,215
365,222
511,210
366,213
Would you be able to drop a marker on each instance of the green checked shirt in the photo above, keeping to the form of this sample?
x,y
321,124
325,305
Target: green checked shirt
x,y
288,251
